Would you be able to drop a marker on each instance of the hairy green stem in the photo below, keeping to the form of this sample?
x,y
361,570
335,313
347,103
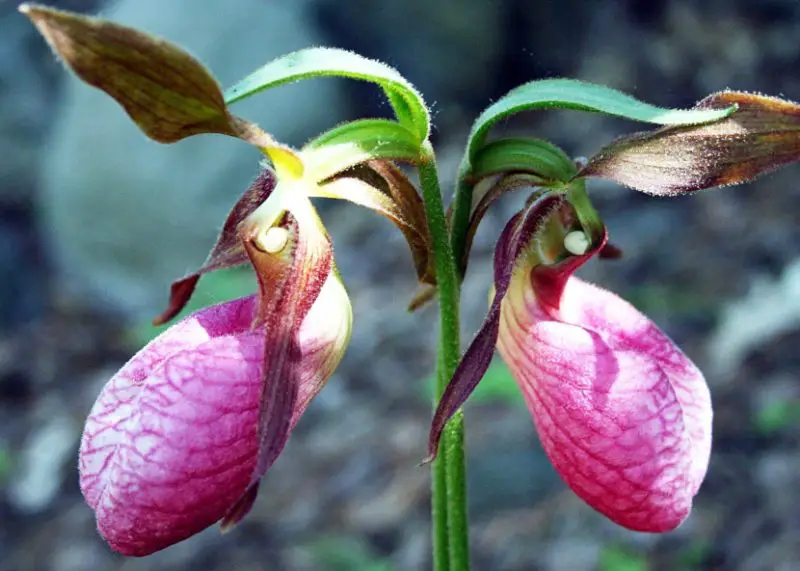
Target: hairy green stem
x,y
462,204
457,515
441,551
449,514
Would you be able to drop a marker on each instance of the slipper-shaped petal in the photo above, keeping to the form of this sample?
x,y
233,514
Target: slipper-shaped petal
x,y
622,413
171,444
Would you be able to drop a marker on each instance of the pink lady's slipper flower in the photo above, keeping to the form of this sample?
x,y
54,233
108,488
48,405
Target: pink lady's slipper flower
x,y
622,413
180,437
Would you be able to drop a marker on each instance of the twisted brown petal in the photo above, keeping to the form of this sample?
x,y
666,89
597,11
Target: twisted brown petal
x,y
381,186
516,236
761,136
228,251
291,276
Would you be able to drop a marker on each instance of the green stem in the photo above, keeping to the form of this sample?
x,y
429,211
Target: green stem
x,y
462,204
457,516
450,467
441,552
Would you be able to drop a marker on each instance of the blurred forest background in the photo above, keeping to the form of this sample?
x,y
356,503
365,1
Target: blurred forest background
x,y
95,221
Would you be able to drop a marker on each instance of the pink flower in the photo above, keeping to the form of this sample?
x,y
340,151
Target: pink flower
x,y
622,413
170,445
180,437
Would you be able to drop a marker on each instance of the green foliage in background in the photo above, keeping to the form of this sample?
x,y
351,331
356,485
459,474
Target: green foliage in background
x,y
497,386
777,416
654,299
213,288
616,558
695,554
343,554
5,463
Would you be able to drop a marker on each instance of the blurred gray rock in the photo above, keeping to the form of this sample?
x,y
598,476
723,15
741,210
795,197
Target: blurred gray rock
x,y
124,215
24,102
49,447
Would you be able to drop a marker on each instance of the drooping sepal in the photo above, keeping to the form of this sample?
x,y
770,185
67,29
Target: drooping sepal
x,y
228,251
292,257
320,344
240,509
517,237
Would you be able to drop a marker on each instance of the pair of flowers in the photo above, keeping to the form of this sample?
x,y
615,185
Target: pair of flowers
x,y
181,436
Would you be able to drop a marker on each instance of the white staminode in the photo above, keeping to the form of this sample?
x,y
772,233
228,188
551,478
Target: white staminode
x,y
576,243
273,240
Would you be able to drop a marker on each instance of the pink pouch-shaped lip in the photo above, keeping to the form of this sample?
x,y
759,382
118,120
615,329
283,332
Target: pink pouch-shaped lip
x,y
170,443
622,413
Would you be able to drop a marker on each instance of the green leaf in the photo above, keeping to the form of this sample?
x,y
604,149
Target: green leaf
x,y
353,143
581,96
528,155
406,101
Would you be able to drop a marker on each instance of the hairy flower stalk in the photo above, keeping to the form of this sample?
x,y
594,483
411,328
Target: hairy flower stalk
x,y
622,413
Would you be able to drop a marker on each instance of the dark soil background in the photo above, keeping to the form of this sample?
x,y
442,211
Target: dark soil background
x,y
719,271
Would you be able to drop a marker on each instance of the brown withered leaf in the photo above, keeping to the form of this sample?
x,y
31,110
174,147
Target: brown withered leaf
x,y
165,90
762,135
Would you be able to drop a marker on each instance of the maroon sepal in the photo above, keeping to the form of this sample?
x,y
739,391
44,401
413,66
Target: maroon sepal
x,y
518,233
290,282
240,509
228,250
